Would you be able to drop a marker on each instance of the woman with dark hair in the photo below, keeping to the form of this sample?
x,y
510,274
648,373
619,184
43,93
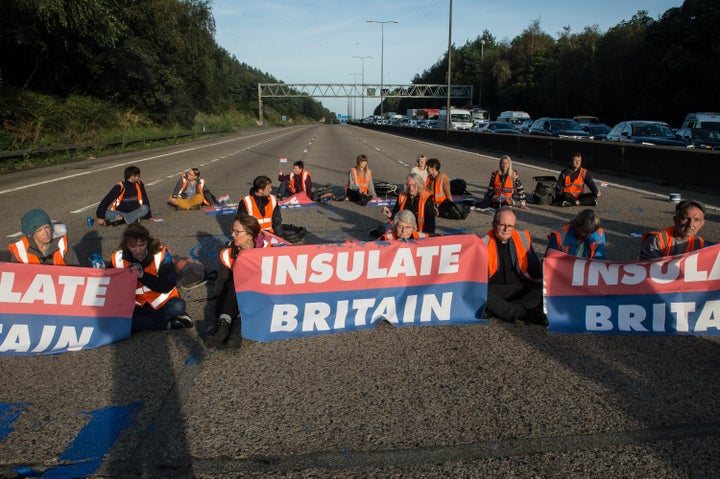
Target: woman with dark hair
x,y
157,301
245,235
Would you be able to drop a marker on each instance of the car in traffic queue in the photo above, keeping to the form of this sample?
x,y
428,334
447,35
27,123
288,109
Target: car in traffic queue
x,y
498,127
597,131
645,132
701,138
558,127
585,119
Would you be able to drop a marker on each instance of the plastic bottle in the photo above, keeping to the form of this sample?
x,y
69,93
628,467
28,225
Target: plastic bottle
x,y
97,261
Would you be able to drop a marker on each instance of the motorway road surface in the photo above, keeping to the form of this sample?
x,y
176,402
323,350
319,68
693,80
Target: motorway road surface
x,y
497,400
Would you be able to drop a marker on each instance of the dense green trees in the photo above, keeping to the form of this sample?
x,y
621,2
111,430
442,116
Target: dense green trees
x,y
640,69
158,57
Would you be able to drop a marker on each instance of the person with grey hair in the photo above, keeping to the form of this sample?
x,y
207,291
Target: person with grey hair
x,y
416,199
505,188
514,271
404,228
420,169
681,237
582,237
41,245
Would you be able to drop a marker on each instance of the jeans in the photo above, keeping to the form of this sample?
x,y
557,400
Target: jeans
x,y
129,217
145,317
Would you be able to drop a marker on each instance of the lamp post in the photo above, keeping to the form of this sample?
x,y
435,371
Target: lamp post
x,y
352,116
382,56
482,63
362,60
448,111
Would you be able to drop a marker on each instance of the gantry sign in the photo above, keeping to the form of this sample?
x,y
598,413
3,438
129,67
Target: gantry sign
x,y
342,90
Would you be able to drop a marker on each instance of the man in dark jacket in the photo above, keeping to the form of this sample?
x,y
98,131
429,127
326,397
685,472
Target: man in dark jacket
x,y
127,201
263,206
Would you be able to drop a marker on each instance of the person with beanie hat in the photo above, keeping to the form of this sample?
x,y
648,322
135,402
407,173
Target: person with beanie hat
x,y
38,245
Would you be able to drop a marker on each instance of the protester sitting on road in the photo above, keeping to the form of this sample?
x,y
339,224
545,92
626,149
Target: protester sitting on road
x,y
191,192
505,188
360,187
571,184
263,206
416,199
678,239
158,304
421,168
126,202
404,228
582,237
514,272
39,246
438,185
295,182
227,330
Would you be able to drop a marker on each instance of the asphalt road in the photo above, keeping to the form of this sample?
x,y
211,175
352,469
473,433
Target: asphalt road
x,y
497,400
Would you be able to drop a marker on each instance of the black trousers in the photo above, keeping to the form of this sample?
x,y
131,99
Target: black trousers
x,y
511,301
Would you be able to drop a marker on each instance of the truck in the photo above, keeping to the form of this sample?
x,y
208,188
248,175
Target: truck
x,y
422,113
515,117
459,119
479,116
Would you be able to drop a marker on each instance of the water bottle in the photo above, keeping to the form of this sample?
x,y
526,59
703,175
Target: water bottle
x,y
325,200
90,220
97,261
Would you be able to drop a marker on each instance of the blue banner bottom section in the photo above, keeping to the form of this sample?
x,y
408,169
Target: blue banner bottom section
x,y
31,334
649,314
272,317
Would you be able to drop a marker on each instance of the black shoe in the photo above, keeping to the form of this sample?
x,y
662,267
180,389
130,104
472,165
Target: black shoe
x,y
117,222
180,322
234,339
219,334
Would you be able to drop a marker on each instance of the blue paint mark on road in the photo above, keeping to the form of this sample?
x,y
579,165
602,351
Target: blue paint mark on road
x,y
9,412
86,452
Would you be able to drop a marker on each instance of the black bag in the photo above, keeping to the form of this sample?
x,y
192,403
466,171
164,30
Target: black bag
x,y
383,188
322,190
458,186
453,211
293,234
544,189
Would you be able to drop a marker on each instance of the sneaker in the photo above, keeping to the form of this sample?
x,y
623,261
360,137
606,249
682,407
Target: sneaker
x,y
223,199
219,333
567,203
180,322
594,203
117,222
234,339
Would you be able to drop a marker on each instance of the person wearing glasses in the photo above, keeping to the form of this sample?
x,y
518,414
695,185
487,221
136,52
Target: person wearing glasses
x,y
404,228
514,272
246,234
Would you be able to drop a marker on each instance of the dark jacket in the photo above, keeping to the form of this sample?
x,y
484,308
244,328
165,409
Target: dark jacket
x,y
129,201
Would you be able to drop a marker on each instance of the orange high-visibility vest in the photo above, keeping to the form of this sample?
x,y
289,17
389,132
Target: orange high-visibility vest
x,y
520,241
575,188
423,197
666,238
21,250
143,294
264,218
117,201
362,182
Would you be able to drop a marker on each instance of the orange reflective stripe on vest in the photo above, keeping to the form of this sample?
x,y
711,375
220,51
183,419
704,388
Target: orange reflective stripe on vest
x,y
117,201
265,219
21,251
502,191
143,294
362,182
520,241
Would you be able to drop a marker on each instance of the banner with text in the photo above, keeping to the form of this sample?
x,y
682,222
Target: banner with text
x,y
322,289
665,296
53,309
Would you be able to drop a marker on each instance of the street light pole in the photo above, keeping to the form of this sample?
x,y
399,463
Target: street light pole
x,y
482,63
448,111
362,59
352,117
382,56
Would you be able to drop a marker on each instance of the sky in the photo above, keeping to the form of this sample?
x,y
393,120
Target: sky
x,y
315,41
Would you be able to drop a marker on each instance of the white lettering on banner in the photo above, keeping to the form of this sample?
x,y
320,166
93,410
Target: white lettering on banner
x,y
316,316
62,290
358,265
18,339
634,317
598,273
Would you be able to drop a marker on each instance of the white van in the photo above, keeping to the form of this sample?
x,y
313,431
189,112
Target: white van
x,y
459,119
709,120
515,117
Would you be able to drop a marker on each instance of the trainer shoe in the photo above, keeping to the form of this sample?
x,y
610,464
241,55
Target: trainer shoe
x,y
180,322
234,339
220,333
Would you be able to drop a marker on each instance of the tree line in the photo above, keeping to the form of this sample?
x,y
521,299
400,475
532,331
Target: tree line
x,y
158,57
639,69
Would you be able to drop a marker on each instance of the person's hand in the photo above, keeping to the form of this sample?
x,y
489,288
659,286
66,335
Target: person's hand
x,y
523,205
279,171
599,193
100,221
137,267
